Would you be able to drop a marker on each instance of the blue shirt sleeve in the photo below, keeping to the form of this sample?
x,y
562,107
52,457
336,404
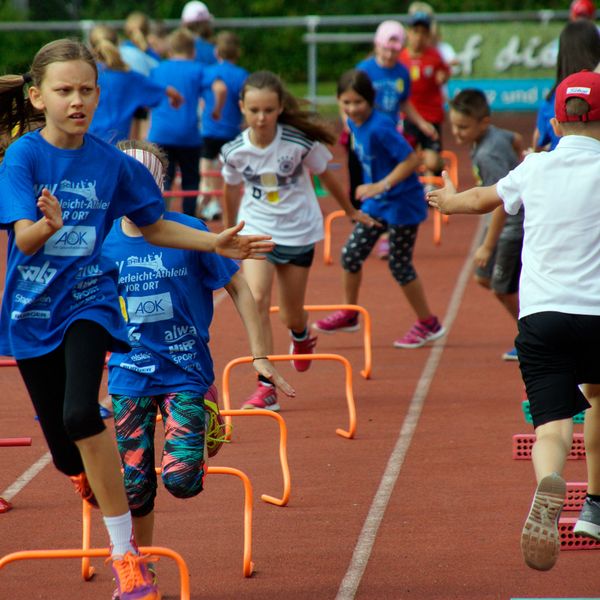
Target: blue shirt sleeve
x,y
16,181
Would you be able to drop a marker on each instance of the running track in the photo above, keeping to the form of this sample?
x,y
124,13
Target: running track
x,y
425,503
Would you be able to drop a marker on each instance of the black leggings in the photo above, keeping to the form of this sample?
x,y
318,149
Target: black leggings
x,y
63,386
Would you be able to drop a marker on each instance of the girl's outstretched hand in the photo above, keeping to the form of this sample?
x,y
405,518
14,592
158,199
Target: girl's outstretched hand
x,y
50,207
232,245
442,198
264,367
364,218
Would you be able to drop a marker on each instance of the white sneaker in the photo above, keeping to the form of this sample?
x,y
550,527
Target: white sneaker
x,y
212,211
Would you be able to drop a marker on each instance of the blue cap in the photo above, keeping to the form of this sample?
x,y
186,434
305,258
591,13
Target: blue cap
x,y
420,18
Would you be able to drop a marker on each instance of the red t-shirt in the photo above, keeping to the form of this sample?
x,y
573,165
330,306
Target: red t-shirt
x,y
425,92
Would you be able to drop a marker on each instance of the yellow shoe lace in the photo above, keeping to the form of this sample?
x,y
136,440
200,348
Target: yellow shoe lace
x,y
216,432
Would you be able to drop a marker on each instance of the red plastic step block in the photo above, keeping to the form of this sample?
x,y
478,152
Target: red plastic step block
x,y
569,541
523,443
576,491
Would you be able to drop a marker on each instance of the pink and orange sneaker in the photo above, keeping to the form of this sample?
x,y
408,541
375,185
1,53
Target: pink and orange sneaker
x,y
340,320
82,487
134,580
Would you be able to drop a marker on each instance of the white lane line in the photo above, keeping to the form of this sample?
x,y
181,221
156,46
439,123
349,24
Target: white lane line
x,y
12,490
366,539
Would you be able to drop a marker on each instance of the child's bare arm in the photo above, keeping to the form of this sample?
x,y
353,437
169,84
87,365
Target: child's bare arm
x,y
245,304
231,197
399,173
476,201
415,116
485,251
30,236
331,182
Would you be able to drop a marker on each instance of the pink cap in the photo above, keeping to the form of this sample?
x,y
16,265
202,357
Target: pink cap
x,y
390,34
195,11
584,85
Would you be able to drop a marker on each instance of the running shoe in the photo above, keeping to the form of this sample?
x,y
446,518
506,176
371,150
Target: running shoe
x,y
151,571
421,333
215,424
82,487
134,579
588,523
540,540
510,355
305,346
264,396
340,320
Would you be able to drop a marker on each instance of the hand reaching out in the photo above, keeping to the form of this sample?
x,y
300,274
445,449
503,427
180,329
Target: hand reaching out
x,y
50,207
364,218
264,367
441,198
232,245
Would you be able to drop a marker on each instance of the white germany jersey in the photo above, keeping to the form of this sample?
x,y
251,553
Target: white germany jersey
x,y
279,199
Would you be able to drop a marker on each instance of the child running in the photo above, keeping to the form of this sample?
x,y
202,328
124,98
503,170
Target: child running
x,y
61,191
391,194
169,367
559,319
274,158
494,152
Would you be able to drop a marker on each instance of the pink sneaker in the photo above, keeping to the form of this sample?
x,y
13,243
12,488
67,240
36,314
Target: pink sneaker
x,y
306,346
340,320
264,396
134,580
421,333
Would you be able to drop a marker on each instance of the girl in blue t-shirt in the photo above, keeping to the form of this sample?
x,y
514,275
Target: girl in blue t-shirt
x,y
169,298
61,189
393,195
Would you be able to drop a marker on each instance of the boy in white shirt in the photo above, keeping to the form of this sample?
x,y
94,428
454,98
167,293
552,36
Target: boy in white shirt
x,y
559,318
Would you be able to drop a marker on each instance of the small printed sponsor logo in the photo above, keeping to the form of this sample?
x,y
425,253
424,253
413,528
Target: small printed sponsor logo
x,y
585,91
178,332
148,309
74,240
40,275
17,315
138,369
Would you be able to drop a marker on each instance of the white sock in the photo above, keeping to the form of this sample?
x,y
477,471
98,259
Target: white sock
x,y
120,531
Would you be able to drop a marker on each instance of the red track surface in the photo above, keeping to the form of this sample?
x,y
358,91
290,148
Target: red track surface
x,y
449,528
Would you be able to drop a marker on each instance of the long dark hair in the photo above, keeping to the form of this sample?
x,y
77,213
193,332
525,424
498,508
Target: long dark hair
x,y
359,82
578,49
17,114
306,121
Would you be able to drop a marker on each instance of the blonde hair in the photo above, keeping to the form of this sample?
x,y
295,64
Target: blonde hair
x,y
181,41
104,42
137,28
228,46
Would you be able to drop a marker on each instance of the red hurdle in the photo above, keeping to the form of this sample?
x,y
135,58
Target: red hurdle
x,y
5,505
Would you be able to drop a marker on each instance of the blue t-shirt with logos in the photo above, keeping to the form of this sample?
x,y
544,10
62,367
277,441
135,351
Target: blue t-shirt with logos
x,y
392,85
379,148
178,126
67,279
229,125
168,294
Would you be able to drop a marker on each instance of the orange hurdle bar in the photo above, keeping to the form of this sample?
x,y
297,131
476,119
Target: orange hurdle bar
x,y
87,571
336,214
285,470
184,574
288,357
366,372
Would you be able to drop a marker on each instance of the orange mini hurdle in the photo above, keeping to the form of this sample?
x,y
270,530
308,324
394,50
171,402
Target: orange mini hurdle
x,y
184,574
349,434
87,571
367,337
5,505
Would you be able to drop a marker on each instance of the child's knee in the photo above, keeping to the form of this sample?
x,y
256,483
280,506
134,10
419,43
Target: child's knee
x,y
141,498
186,486
482,281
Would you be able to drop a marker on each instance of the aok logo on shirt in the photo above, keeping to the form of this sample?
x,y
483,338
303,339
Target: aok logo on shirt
x,y
72,240
148,309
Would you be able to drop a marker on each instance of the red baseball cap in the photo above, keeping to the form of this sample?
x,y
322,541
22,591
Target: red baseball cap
x,y
584,85
582,9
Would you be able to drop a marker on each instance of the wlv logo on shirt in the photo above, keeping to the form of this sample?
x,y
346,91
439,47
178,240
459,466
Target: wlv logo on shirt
x,y
148,309
72,240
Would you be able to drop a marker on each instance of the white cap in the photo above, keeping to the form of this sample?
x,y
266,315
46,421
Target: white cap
x,y
195,11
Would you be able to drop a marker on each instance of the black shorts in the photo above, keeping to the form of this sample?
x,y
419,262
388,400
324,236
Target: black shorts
x,y
557,352
300,256
212,146
418,139
503,270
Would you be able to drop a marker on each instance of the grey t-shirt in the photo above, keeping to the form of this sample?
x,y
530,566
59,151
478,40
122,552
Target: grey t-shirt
x,y
493,157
